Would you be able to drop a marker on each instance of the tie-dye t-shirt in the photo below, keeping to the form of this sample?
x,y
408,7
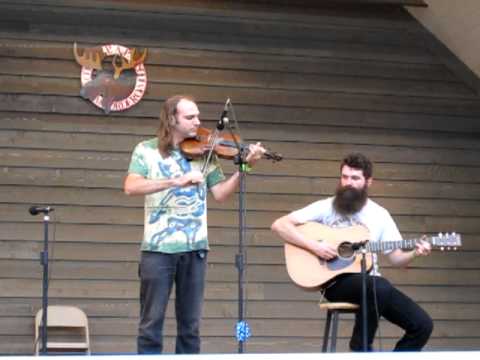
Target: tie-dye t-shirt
x,y
175,218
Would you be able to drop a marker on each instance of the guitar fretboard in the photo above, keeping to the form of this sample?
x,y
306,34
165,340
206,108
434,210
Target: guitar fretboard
x,y
379,246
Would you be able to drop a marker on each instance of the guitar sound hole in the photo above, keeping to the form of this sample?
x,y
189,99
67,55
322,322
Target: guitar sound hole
x,y
345,250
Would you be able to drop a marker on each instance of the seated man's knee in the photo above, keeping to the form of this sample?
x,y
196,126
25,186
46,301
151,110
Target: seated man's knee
x,y
427,327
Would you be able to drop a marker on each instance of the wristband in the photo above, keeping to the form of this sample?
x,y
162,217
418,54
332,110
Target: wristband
x,y
246,168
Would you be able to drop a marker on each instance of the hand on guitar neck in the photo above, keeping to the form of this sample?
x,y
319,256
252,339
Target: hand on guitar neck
x,y
402,258
423,247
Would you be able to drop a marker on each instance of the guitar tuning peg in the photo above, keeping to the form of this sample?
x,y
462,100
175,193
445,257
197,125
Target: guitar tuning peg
x,y
440,235
442,248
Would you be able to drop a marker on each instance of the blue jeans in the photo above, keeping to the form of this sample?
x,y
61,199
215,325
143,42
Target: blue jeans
x,y
393,305
158,272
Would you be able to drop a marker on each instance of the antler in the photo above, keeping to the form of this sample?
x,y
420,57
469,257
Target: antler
x,y
91,58
125,65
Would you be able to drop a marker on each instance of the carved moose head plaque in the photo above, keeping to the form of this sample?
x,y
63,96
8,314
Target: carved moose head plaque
x,y
116,85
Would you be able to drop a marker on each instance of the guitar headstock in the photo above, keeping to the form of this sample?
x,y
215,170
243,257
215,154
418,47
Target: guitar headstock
x,y
447,241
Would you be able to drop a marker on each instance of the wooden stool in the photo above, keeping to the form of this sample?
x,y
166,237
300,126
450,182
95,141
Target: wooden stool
x,y
334,309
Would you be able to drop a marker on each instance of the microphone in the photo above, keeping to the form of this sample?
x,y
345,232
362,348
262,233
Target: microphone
x,y
35,210
359,245
223,118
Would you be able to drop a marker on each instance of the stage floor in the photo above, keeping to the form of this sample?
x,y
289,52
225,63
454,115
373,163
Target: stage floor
x,y
440,355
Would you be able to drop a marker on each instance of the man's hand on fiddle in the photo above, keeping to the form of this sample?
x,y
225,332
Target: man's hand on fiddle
x,y
255,152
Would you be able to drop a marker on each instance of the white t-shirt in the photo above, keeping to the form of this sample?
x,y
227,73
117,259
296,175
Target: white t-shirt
x,y
377,219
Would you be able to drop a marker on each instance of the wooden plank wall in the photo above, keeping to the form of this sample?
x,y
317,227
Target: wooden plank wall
x,y
312,83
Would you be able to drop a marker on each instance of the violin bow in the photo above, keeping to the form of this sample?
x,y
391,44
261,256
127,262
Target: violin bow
x,y
211,144
235,126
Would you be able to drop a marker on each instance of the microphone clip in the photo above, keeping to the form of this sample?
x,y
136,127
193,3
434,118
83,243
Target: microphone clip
x,y
35,210
224,117
359,245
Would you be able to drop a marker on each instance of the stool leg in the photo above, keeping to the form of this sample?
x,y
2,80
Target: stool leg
x,y
333,340
327,331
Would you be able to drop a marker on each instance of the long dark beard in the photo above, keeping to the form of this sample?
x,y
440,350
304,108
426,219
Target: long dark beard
x,y
349,200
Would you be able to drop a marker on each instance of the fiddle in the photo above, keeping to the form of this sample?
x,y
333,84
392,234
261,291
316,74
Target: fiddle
x,y
224,145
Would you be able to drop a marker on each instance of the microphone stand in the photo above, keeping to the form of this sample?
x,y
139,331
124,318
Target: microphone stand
x,y
240,257
363,265
44,263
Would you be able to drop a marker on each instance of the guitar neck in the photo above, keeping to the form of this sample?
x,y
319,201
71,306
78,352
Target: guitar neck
x,y
442,241
381,246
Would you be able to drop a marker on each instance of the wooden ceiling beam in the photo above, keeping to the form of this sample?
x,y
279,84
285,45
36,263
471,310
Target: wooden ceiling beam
x,y
419,3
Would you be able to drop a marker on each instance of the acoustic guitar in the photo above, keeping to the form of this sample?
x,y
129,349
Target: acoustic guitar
x,y
309,271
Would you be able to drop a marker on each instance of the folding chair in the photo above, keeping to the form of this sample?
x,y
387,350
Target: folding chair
x,y
67,329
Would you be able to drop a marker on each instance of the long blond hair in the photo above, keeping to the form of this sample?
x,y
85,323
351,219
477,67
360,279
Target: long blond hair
x,y
167,121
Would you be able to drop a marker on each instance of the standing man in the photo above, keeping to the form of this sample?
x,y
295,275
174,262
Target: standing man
x,y
351,206
175,243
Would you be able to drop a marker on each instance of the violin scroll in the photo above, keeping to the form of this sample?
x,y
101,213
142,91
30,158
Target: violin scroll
x,y
274,156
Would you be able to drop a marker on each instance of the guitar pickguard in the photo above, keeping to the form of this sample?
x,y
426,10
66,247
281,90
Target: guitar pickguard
x,y
340,263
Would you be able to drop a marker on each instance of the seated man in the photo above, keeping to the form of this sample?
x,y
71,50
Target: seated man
x,y
351,206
